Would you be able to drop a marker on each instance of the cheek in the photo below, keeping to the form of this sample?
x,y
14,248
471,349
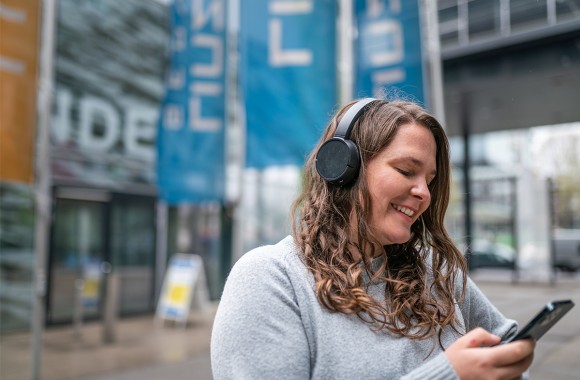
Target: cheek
x,y
427,204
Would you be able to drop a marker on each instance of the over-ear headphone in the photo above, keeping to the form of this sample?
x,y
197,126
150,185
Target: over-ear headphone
x,y
338,159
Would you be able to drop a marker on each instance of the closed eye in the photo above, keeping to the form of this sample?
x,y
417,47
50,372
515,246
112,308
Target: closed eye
x,y
405,173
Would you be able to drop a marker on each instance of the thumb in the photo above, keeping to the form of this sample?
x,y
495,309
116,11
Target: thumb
x,y
477,338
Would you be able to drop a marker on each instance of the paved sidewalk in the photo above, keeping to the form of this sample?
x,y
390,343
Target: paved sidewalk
x,y
146,351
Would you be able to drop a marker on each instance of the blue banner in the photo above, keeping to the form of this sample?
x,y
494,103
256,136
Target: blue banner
x,y
191,135
388,55
288,77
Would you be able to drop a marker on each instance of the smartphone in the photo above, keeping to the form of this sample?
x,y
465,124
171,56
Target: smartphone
x,y
544,320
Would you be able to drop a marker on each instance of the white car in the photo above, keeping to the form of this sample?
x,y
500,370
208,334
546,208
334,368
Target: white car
x,y
566,245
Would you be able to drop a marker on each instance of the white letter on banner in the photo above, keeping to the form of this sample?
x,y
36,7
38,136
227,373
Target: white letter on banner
x,y
200,16
214,43
196,121
139,132
276,55
395,6
391,33
200,87
176,79
61,127
97,111
374,8
180,39
173,116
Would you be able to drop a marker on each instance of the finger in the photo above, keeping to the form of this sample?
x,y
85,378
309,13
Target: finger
x,y
515,370
514,352
477,338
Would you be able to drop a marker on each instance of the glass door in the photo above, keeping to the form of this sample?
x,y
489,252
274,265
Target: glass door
x,y
78,249
132,252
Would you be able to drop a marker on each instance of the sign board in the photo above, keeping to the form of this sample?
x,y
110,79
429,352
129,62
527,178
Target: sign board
x,y
105,99
288,77
388,50
92,276
19,26
191,131
184,287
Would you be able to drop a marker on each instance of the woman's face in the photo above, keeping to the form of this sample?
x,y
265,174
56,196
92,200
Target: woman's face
x,y
398,179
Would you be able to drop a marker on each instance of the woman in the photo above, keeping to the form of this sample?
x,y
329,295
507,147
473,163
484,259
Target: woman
x,y
370,285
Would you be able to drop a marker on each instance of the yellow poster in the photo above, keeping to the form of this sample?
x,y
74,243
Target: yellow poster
x,y
178,294
19,46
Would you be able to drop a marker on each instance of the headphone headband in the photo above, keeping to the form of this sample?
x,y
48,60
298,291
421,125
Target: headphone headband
x,y
351,116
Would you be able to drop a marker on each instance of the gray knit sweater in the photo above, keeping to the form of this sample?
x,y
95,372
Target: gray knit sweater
x,y
270,325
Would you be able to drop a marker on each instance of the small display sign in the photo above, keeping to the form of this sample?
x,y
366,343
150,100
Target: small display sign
x,y
184,278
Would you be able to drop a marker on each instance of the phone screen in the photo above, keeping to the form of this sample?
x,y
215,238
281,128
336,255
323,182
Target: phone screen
x,y
544,320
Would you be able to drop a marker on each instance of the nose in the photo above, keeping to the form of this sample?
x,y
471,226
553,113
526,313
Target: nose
x,y
421,191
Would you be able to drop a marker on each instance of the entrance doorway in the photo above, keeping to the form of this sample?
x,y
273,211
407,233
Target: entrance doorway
x,y
94,231
78,247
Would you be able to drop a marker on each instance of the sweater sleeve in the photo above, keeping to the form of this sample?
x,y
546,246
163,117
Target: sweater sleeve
x,y
438,368
478,311
257,331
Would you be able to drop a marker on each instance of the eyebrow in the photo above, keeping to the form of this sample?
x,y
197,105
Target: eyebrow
x,y
414,161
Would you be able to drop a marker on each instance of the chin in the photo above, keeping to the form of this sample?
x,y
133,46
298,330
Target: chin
x,y
398,239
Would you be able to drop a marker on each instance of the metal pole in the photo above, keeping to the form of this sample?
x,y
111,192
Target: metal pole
x,y
514,227
465,127
504,17
111,309
433,53
345,60
78,307
551,226
236,141
463,22
161,246
43,183
260,207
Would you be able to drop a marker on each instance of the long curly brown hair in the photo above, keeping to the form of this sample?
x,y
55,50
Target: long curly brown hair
x,y
330,225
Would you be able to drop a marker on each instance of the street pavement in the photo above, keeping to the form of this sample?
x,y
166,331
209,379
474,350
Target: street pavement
x,y
147,349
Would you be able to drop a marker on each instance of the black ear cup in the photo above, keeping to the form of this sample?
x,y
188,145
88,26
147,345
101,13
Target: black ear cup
x,y
338,159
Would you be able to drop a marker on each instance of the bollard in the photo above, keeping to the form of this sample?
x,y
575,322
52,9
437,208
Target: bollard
x,y
78,307
111,305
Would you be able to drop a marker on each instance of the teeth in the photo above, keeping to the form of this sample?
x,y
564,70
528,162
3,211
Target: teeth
x,y
404,210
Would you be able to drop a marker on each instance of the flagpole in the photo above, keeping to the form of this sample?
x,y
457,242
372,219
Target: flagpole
x,y
43,183
345,50
433,55
236,146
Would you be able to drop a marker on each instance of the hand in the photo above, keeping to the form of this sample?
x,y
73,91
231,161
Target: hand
x,y
476,356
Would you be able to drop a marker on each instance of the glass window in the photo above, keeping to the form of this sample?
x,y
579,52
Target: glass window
x,y
484,18
78,248
198,229
454,218
567,10
133,231
508,185
448,23
525,14
133,251
17,222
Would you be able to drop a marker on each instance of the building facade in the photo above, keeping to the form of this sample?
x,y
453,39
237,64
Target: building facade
x,y
511,72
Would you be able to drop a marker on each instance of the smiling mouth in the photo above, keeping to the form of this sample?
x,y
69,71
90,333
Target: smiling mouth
x,y
404,210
